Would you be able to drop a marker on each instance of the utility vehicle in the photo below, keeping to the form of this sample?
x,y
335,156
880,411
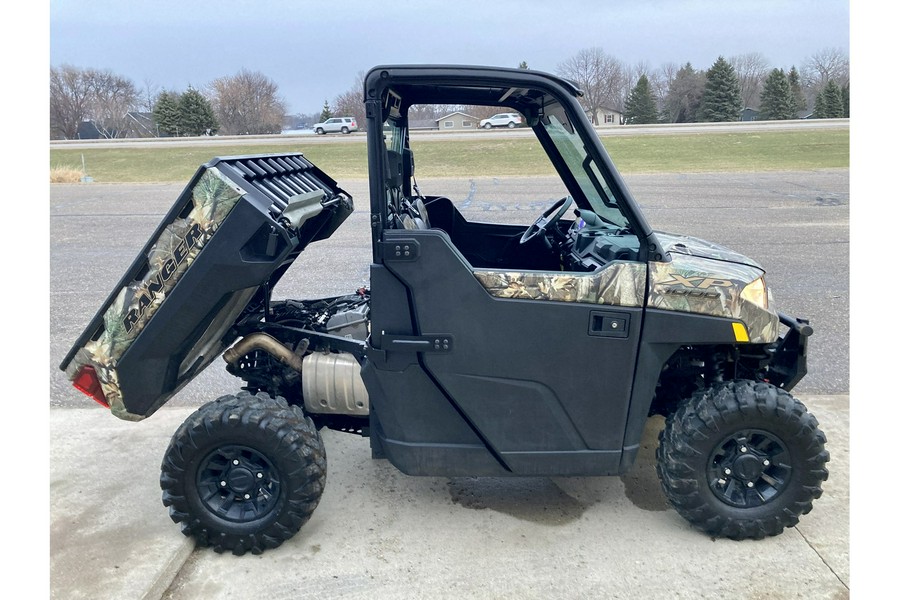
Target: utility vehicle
x,y
477,349
336,124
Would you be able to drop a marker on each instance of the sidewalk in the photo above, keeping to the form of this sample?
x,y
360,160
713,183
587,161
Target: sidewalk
x,y
380,534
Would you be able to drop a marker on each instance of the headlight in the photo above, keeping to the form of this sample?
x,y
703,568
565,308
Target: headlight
x,y
756,292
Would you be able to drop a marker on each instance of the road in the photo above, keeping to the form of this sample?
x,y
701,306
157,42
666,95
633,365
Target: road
x,y
310,138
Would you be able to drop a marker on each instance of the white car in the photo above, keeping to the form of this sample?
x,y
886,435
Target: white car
x,y
502,120
335,124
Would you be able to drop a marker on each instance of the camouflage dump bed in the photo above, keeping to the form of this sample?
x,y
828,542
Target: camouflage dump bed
x,y
236,228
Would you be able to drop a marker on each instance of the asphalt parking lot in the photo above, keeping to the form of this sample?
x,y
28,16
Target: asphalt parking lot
x,y
378,533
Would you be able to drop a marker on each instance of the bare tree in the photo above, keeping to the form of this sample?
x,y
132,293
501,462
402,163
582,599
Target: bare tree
x,y
247,103
751,70
352,103
600,76
112,98
665,75
824,65
147,96
70,93
78,95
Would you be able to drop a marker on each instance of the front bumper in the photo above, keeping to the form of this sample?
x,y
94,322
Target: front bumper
x,y
788,364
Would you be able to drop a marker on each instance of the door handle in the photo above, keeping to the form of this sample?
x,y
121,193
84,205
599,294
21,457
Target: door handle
x,y
609,324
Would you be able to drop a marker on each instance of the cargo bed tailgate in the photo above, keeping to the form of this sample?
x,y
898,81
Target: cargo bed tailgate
x,y
233,232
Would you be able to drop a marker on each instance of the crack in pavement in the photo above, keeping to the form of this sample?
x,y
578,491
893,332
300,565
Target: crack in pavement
x,y
822,558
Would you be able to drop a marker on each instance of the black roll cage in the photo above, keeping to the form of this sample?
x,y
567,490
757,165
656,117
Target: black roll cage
x,y
490,86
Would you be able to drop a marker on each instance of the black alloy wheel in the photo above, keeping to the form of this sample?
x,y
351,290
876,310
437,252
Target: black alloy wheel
x,y
244,473
742,459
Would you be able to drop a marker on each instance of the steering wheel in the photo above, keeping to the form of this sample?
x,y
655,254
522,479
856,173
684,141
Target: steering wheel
x,y
547,219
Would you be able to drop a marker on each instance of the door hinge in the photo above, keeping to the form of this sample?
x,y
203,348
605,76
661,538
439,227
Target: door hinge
x,y
395,250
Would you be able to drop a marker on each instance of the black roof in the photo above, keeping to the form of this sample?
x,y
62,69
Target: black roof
x,y
466,84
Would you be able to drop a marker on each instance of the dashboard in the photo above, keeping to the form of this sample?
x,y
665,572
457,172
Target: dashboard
x,y
588,248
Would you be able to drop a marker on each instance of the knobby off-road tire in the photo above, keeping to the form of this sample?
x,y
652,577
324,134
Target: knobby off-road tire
x,y
742,460
243,473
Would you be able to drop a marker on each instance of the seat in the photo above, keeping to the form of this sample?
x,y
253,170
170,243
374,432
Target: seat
x,y
405,213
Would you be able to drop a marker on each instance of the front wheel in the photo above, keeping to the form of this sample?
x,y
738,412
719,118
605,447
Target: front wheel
x,y
487,125
243,473
742,460
320,131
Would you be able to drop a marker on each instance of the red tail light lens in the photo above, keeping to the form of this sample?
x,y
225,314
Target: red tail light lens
x,y
88,383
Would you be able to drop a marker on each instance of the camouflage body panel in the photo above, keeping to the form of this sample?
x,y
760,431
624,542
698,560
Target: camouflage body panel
x,y
691,246
711,287
619,284
168,259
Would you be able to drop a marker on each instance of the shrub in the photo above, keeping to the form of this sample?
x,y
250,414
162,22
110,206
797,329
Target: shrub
x,y
65,175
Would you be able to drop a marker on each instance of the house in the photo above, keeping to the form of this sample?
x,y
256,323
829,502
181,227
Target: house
x,y
606,116
136,125
749,114
87,130
457,121
423,124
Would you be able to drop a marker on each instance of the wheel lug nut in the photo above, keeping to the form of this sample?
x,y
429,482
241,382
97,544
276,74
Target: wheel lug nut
x,y
247,496
728,471
235,462
259,475
766,463
222,483
743,449
750,484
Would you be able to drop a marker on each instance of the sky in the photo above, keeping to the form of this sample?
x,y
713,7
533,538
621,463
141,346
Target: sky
x,y
315,50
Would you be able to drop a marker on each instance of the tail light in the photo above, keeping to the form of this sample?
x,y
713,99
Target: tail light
x,y
88,383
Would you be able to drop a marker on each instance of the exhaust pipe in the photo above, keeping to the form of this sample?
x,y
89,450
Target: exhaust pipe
x,y
264,341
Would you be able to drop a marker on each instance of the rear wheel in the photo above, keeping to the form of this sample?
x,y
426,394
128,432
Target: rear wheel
x,y
742,460
243,473
345,130
511,124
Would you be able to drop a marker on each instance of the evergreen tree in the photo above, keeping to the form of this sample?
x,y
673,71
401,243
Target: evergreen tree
x,y
195,114
800,104
165,113
829,102
776,101
640,106
819,107
523,65
845,95
722,94
326,112
682,101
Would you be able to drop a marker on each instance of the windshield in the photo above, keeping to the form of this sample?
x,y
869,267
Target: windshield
x,y
592,183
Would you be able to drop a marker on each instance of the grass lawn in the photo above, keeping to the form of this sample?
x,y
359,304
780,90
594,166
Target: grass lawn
x,y
471,157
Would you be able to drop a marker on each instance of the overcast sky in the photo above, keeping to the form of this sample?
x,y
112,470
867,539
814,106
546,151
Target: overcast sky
x,y
314,50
